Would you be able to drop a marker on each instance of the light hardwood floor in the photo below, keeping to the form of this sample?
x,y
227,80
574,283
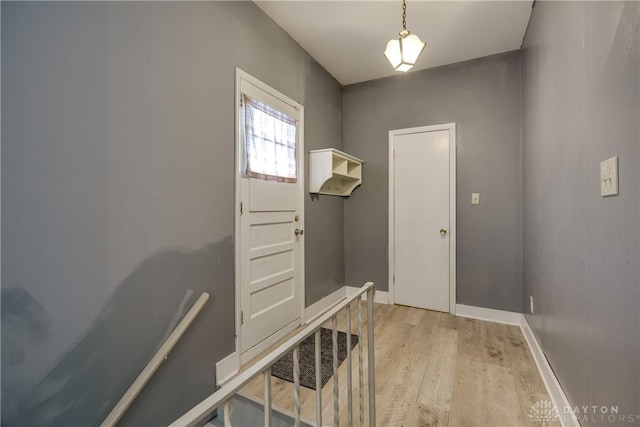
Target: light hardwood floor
x,y
432,369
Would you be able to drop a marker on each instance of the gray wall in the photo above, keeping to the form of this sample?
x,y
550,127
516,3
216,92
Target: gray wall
x,y
324,225
118,194
483,98
581,92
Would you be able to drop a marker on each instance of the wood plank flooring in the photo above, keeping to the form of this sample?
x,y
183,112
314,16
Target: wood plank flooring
x,y
432,369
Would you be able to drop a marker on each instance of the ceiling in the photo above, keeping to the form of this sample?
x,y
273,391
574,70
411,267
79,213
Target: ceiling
x,y
348,37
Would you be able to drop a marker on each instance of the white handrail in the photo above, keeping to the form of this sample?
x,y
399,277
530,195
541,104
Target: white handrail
x,y
200,413
161,355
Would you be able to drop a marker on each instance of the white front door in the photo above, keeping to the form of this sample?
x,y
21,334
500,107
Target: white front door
x,y
422,231
271,253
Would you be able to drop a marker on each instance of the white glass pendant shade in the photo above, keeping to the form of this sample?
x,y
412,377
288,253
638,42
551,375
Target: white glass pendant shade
x,y
403,52
412,47
392,52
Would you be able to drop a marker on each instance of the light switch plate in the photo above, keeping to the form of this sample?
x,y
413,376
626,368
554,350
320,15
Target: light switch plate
x,y
475,198
609,177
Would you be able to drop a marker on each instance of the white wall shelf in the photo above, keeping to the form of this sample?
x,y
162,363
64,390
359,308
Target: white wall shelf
x,y
333,172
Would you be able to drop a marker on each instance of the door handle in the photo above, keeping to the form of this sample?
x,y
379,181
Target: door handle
x,y
443,232
298,232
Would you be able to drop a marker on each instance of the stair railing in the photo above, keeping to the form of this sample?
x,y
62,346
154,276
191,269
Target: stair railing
x,y
203,411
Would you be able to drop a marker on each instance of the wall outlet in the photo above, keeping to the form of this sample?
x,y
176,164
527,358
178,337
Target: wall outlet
x,y
475,198
531,304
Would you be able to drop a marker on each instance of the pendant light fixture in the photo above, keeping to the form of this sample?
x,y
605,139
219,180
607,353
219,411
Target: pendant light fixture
x,y
404,51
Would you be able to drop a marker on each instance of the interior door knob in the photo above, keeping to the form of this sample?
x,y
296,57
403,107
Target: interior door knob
x,y
443,232
298,232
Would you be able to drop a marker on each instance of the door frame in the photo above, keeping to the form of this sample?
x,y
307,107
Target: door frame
x,y
238,162
451,127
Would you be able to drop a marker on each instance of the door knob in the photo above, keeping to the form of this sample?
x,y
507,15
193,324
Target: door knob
x,y
443,232
298,232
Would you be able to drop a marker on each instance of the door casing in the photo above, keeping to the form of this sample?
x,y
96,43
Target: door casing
x,y
451,127
239,76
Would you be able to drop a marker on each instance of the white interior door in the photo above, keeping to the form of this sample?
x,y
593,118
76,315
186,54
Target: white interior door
x,y
422,229
270,246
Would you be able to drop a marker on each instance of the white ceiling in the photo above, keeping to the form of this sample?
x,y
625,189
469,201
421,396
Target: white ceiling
x,y
348,37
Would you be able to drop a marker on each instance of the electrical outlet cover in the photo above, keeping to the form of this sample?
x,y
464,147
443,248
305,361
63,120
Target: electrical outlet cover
x,y
609,177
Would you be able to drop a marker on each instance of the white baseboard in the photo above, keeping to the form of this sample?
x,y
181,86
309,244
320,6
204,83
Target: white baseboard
x,y
381,297
319,307
227,368
489,314
559,399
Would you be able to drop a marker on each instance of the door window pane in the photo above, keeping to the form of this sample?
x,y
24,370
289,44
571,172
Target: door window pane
x,y
270,142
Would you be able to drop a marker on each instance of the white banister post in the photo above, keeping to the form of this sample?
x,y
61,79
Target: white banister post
x,y
371,370
349,378
336,402
360,362
318,379
228,413
296,386
267,397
